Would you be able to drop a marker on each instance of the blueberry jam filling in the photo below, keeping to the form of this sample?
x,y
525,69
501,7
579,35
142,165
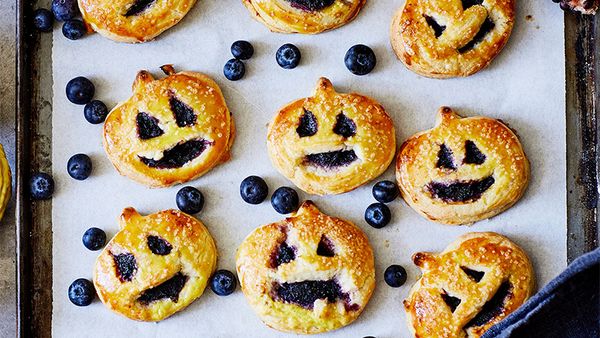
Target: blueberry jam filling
x,y
147,126
284,254
473,274
332,159
438,29
159,246
452,302
445,158
308,125
184,114
344,126
305,293
138,7
126,266
325,247
470,3
168,289
177,156
472,154
311,5
493,307
487,26
460,191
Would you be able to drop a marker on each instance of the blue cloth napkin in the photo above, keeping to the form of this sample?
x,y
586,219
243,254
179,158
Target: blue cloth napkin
x,y
568,307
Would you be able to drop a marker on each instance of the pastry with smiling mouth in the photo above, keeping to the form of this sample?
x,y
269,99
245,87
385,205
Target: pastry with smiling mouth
x,y
331,143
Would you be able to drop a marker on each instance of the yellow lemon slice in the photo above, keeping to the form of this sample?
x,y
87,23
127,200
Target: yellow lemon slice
x,y
5,182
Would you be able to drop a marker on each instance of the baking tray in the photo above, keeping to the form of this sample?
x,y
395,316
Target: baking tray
x,y
34,141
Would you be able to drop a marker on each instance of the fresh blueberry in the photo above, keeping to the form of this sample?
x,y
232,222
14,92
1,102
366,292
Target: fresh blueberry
x,y
43,20
385,191
79,166
242,50
378,215
360,60
285,200
74,29
94,239
223,283
189,200
288,56
65,9
82,292
254,190
80,90
395,276
234,69
41,186
95,112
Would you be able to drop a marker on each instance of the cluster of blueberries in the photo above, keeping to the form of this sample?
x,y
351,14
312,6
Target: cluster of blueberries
x,y
360,59
61,10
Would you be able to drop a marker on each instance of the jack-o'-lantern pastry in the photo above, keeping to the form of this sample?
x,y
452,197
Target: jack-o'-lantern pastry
x,y
451,38
133,20
5,182
155,265
472,285
171,130
307,274
331,143
463,170
304,16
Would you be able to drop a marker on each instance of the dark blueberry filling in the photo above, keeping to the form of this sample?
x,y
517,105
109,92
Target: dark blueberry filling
x,y
283,255
168,289
147,126
344,126
311,5
452,302
184,114
177,156
138,7
470,3
487,26
306,293
332,159
437,28
474,274
308,125
325,247
493,307
159,246
460,191
445,158
126,266
472,154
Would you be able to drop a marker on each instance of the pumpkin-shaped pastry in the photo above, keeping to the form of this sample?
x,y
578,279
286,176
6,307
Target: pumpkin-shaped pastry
x,y
133,20
472,285
463,170
304,16
155,265
5,182
171,130
451,38
309,273
331,143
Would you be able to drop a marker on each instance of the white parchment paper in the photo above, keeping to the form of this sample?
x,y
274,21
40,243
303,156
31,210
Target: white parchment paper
x,y
524,86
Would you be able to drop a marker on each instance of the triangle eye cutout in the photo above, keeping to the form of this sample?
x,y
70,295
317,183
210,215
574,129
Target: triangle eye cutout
x,y
325,247
138,7
472,154
147,126
452,302
344,126
184,114
470,3
308,125
438,29
473,274
445,158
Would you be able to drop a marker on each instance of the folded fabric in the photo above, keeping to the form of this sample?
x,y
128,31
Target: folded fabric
x,y
568,307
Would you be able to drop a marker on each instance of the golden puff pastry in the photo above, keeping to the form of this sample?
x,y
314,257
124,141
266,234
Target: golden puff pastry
x,y
331,143
171,130
155,265
451,38
133,20
304,16
5,182
307,274
475,283
463,170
